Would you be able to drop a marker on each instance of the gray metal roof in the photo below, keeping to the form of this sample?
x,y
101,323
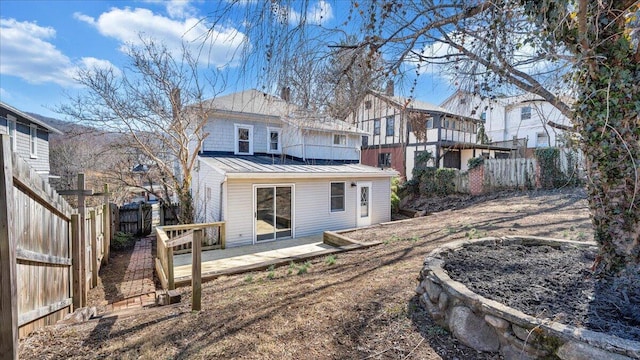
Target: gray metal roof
x,y
277,166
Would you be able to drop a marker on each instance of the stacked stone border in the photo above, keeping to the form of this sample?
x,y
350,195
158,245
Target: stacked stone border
x,y
487,325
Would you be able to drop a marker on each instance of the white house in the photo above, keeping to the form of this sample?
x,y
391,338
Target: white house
x,y
524,121
273,172
29,137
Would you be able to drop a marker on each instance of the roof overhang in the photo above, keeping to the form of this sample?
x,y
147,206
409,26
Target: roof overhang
x,y
469,146
31,118
306,175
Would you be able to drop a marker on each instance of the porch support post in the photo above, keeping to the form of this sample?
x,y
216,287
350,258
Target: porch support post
x,y
196,270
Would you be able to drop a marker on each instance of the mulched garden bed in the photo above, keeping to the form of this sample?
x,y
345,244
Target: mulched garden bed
x,y
551,283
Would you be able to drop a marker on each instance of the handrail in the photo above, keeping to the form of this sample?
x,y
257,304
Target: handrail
x,y
165,247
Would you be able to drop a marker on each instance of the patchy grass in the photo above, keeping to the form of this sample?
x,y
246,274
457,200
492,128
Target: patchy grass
x,y
363,306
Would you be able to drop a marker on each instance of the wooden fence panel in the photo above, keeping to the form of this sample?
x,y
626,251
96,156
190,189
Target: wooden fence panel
x,y
43,250
509,173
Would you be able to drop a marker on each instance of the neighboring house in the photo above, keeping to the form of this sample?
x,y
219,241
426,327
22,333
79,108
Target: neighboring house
x,y
400,129
523,122
29,137
273,172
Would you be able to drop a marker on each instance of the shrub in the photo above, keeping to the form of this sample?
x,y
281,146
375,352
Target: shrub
x,y
475,162
122,241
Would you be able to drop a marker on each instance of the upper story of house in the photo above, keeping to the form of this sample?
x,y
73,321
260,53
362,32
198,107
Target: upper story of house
x,y
507,118
255,123
390,120
29,137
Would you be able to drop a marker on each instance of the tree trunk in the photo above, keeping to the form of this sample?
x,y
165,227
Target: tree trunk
x,y
607,118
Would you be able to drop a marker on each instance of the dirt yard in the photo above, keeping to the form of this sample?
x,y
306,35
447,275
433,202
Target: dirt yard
x,y
358,305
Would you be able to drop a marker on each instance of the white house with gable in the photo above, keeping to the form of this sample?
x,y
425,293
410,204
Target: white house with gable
x,y
524,121
273,172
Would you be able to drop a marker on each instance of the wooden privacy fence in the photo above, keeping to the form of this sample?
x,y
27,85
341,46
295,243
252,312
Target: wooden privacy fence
x,y
35,252
139,219
47,263
170,237
509,174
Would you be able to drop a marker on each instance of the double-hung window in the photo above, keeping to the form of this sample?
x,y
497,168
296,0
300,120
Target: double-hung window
x,y
274,141
340,139
243,139
11,129
391,124
525,113
376,127
34,140
337,196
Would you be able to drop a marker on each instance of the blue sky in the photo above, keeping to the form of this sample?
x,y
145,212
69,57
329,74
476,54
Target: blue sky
x,y
42,43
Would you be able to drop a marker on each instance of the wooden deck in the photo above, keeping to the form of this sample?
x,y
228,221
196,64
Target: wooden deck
x,y
252,257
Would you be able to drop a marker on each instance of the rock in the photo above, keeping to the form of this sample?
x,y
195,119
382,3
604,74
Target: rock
x,y
511,353
432,289
79,316
472,330
579,351
496,322
420,289
523,334
443,301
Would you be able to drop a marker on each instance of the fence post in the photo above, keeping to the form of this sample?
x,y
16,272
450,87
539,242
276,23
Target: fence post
x,y
223,236
106,225
170,274
76,260
94,248
8,267
196,270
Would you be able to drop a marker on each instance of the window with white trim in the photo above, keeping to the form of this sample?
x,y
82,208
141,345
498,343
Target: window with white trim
x,y
525,113
34,140
542,140
337,196
243,139
11,130
340,139
274,141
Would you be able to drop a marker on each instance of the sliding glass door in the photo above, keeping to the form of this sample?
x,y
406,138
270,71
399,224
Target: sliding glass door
x,y
273,212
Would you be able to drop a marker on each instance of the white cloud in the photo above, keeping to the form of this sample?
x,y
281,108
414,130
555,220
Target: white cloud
x,y
26,52
4,94
127,25
320,13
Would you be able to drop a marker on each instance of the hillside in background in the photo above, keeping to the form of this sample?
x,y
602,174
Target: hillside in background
x,y
88,150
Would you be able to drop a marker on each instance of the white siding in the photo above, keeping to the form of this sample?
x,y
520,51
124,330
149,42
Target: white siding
x,y
222,134
312,207
319,145
206,193
411,153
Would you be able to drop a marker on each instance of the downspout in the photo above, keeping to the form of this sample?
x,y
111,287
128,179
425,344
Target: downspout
x,y
220,210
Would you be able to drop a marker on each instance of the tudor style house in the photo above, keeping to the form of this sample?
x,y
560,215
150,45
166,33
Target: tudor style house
x,y
272,172
523,122
400,129
29,137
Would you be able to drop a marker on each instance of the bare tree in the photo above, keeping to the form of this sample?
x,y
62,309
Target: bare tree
x,y
156,105
587,50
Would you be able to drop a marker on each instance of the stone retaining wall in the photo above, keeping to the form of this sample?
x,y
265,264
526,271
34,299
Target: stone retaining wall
x,y
487,325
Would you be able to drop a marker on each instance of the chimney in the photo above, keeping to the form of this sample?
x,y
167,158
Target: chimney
x,y
285,93
389,89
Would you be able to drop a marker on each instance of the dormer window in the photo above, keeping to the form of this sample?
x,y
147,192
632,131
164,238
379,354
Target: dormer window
x,y
243,139
274,141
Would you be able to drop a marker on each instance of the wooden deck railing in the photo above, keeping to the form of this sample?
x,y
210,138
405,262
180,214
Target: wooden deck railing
x,y
209,236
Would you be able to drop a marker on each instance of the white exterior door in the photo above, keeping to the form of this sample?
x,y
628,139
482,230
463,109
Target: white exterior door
x,y
363,205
